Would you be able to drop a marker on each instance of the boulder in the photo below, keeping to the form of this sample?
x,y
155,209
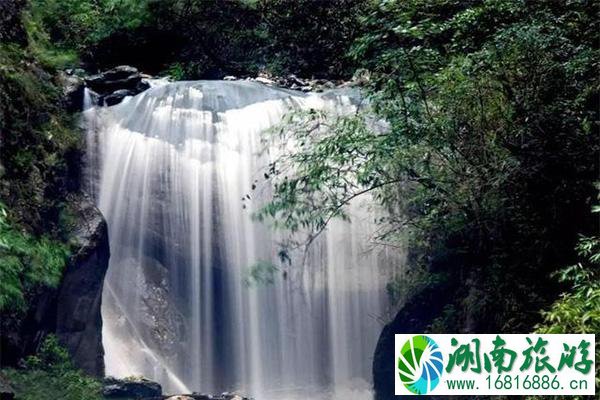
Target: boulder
x,y
135,388
122,72
78,318
117,96
122,77
294,80
73,87
114,85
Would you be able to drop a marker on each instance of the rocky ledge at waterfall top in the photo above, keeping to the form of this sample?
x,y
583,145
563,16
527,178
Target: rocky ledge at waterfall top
x,y
293,82
112,86
108,88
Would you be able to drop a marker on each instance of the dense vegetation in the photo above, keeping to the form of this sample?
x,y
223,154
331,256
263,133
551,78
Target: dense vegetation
x,y
490,155
487,158
578,310
39,164
51,375
209,38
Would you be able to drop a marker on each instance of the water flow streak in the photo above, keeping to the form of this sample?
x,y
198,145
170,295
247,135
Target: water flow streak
x,y
169,169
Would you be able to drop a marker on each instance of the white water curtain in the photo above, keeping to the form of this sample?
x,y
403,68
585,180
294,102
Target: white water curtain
x,y
169,169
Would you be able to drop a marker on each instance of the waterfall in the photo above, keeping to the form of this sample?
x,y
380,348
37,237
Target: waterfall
x,y
169,169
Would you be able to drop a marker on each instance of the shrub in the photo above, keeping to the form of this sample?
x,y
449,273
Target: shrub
x,y
51,375
26,261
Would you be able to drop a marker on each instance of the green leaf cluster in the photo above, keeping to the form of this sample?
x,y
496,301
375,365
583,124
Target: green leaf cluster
x,y
51,375
26,262
578,309
75,25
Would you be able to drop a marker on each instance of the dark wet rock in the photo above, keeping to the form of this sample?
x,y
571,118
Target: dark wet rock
x,y
141,86
120,73
123,77
73,87
292,82
138,388
293,79
114,85
117,96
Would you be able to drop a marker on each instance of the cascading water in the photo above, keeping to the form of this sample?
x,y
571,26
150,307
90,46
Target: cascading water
x,y
169,169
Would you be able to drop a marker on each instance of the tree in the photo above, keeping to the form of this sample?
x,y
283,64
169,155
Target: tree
x,y
490,152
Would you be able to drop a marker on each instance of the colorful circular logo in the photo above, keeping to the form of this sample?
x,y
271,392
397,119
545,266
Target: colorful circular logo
x,y
420,364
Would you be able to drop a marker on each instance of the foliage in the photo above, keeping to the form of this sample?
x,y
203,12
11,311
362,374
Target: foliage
x,y
312,188
238,37
578,310
40,148
77,24
309,37
39,153
26,261
42,48
260,273
176,71
51,375
489,153
204,38
11,28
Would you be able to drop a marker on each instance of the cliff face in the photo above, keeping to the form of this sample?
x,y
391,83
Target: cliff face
x,y
78,318
71,311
